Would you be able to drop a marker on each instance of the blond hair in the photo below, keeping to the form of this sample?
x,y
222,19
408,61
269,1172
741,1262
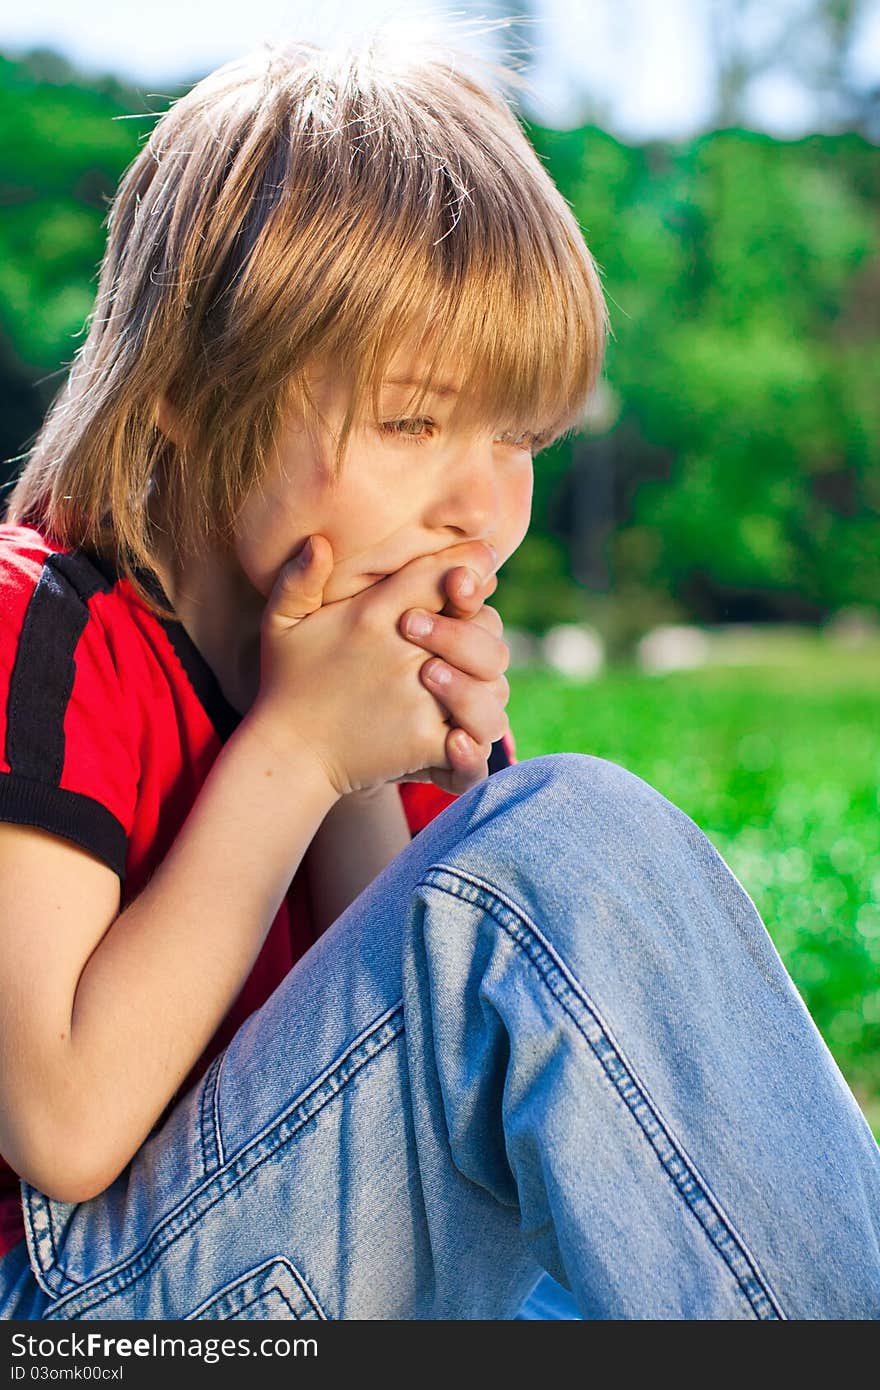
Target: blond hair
x,y
296,205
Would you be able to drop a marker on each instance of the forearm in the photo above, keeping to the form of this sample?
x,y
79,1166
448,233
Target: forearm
x,y
359,835
153,993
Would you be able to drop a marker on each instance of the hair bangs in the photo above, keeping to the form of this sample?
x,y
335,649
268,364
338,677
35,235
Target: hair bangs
x,y
502,303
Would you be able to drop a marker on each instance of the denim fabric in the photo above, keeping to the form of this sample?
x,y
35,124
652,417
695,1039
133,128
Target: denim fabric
x,y
553,1035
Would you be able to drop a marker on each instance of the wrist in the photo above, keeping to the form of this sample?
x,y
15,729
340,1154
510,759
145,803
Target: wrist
x,y
287,754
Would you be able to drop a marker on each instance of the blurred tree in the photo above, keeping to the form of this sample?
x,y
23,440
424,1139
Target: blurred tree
x,y
807,43
747,458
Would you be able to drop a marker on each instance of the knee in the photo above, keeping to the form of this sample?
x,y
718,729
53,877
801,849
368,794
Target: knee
x,y
585,775
588,790
599,862
595,816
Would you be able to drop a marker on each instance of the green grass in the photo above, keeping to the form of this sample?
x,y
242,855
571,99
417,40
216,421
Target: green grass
x,y
778,761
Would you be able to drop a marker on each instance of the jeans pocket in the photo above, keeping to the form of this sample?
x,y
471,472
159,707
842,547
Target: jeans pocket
x,y
273,1290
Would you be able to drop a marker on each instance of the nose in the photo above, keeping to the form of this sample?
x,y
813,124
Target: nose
x,y
469,500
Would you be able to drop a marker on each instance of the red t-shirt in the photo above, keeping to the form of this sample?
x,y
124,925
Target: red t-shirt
x,y
110,721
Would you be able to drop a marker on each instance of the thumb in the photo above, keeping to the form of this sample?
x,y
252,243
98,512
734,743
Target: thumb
x,y
299,585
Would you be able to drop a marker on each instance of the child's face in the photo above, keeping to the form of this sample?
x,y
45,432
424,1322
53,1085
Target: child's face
x,y
401,495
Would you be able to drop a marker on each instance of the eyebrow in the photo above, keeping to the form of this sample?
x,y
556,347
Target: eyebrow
x,y
441,389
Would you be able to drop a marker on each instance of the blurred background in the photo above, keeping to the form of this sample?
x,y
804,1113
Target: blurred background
x,y
699,596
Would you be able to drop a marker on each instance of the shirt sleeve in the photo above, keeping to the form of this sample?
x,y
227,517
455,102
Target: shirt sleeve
x,y
69,757
423,801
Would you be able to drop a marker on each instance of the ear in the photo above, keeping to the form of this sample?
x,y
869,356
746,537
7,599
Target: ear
x,y
168,421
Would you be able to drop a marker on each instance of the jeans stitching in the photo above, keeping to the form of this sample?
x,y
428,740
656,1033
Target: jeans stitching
x,y
214,1298
676,1162
261,1298
210,1146
115,1279
325,1078
38,1235
215,1112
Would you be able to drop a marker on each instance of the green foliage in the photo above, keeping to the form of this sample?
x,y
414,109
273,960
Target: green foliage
x,y
780,767
64,149
744,281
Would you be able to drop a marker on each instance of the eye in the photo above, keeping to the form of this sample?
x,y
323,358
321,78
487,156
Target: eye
x,y
412,428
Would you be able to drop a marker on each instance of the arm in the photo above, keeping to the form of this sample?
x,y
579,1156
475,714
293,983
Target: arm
x,y
362,833
158,984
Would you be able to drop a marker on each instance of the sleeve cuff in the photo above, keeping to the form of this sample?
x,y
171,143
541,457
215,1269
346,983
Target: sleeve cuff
x,y
73,815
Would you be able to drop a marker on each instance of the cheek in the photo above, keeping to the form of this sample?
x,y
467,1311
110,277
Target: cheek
x,y
260,575
518,507
263,544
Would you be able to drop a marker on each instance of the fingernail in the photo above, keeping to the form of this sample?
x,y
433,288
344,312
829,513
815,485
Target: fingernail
x,y
438,674
305,555
418,624
468,585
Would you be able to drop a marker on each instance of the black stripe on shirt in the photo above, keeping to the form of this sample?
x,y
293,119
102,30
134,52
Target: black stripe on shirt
x,y
206,687
42,677
39,692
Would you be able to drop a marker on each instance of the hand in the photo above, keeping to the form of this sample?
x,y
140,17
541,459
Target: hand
x,y
340,682
467,636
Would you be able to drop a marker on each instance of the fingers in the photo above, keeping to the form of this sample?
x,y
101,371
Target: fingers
x,y
467,591
461,774
471,646
476,706
434,570
298,589
468,760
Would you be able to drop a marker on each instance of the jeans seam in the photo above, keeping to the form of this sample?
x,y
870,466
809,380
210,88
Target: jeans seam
x,y
212,1148
215,1112
36,1237
682,1170
212,1298
176,1223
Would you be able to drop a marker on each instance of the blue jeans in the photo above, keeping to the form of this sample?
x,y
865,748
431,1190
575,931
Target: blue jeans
x,y
553,1035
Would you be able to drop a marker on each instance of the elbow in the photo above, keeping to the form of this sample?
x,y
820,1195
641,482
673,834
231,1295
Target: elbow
x,y
59,1165
65,1181
63,1177
69,1187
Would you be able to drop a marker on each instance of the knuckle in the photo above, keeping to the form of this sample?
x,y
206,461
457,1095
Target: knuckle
x,y
494,622
366,618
